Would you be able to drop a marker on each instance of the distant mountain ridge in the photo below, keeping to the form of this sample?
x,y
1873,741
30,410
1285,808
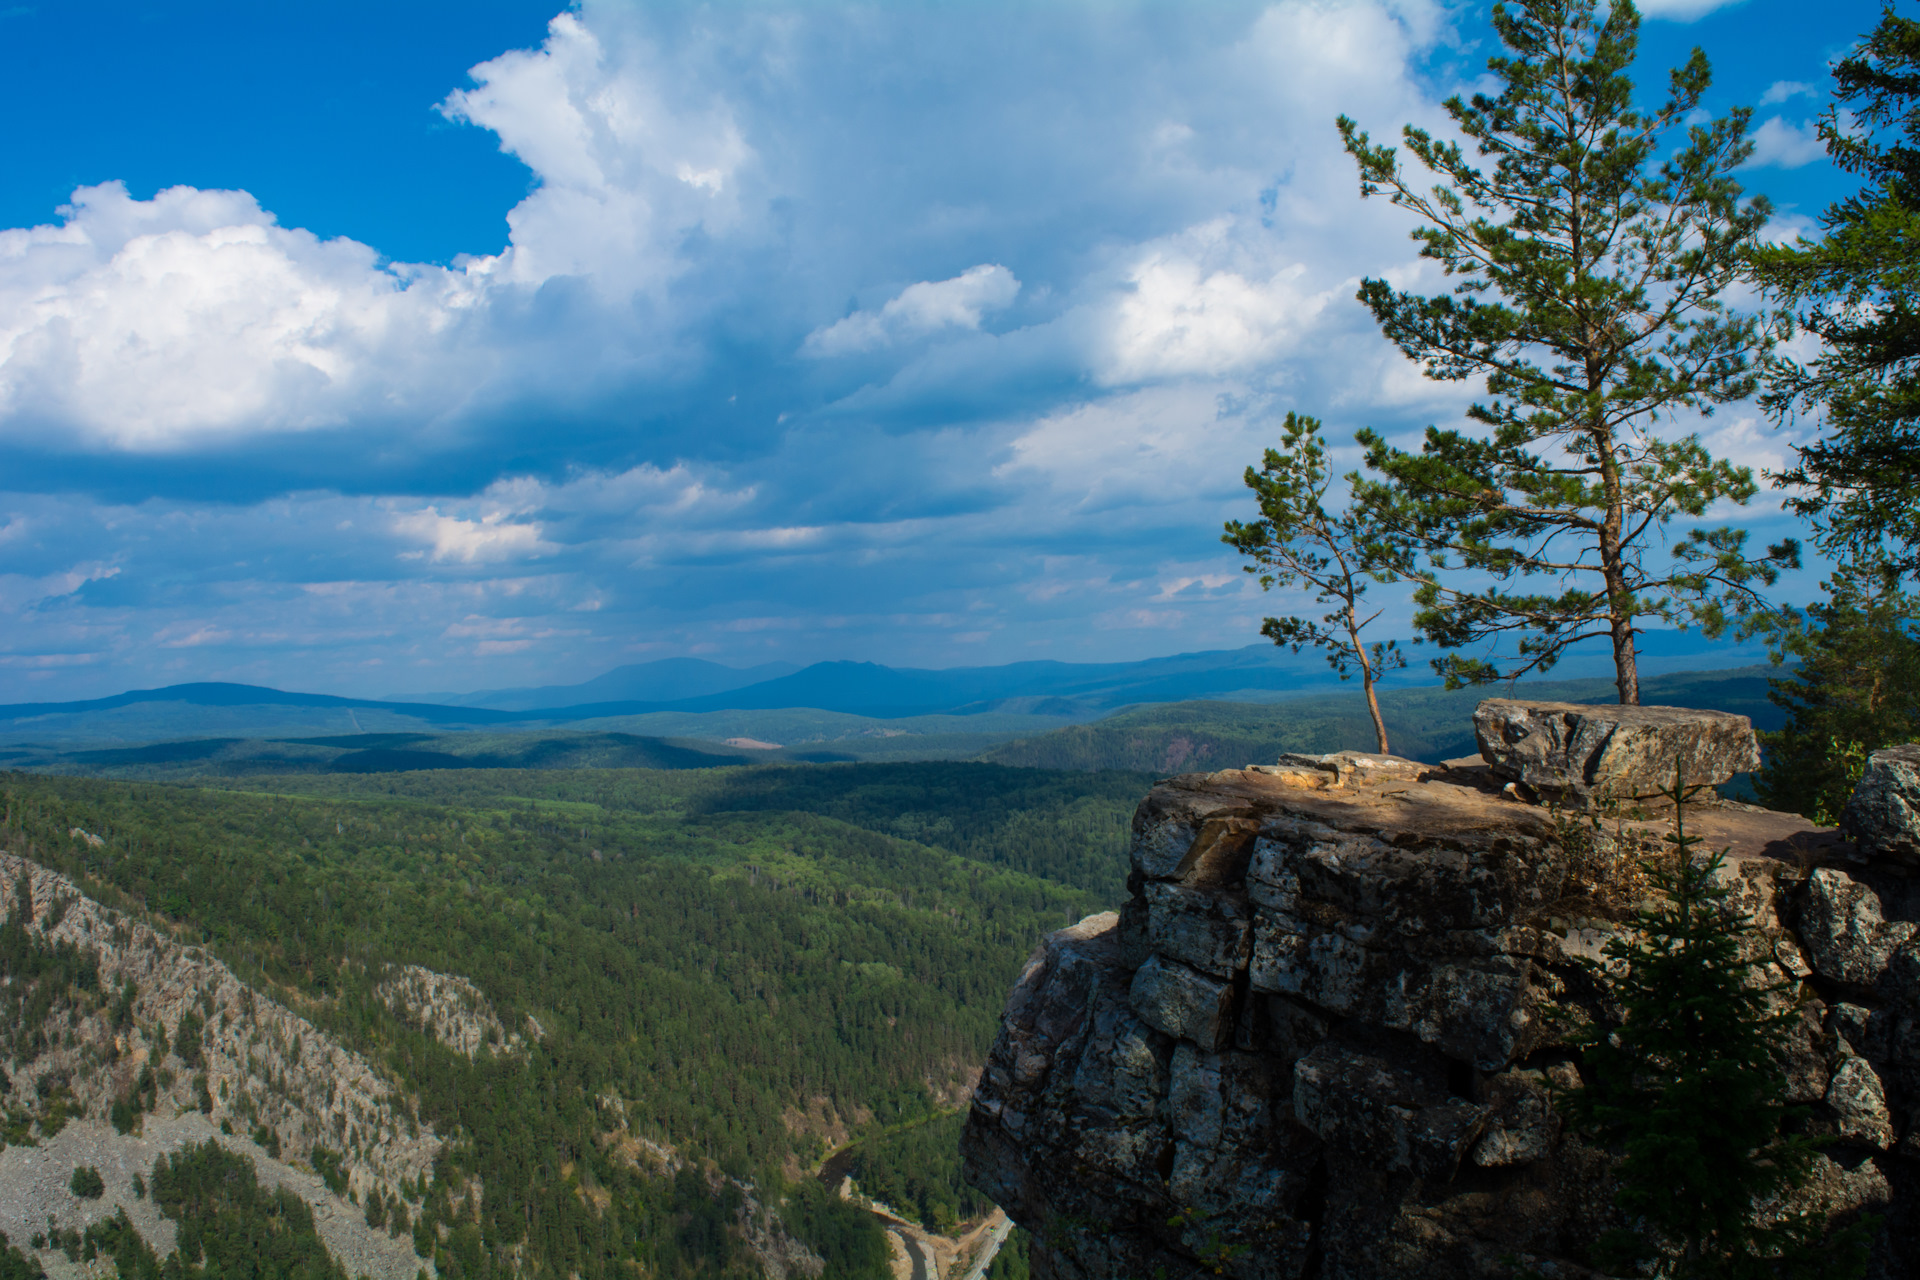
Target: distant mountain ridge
x,y
1051,693
661,681
854,688
219,694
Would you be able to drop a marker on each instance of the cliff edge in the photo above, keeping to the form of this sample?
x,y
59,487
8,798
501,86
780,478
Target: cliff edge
x,y
1316,1040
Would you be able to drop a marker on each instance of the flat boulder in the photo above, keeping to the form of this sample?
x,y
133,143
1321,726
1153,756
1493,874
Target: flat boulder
x,y
1884,813
1570,753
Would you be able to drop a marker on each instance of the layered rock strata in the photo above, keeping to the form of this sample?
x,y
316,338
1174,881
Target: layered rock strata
x,y
1316,1041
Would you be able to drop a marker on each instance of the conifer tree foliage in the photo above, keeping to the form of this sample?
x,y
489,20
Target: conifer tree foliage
x,y
1297,542
1854,688
1687,1085
1857,289
1589,255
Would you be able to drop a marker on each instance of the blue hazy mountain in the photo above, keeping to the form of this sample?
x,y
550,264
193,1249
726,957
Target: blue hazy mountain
x,y
666,680
1057,691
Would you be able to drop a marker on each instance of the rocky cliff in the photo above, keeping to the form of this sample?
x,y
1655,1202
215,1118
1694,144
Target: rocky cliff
x,y
192,1054
1316,1040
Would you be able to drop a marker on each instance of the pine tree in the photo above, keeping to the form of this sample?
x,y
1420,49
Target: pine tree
x,y
1297,542
1589,266
1857,289
1688,1085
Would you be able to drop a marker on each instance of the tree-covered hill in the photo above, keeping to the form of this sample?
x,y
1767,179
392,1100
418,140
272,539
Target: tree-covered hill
x,y
714,955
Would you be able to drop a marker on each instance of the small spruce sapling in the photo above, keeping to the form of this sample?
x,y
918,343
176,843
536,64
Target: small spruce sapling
x,y
1688,1086
1297,542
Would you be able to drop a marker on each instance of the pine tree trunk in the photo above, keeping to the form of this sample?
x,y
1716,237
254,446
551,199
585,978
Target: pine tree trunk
x,y
1373,705
1626,668
1626,665
1366,669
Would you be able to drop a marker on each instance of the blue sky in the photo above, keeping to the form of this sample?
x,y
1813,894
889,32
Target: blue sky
x,y
417,346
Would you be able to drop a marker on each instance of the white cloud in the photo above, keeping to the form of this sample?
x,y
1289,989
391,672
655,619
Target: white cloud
x,y
630,157
664,147
1153,446
160,324
1777,144
706,195
1783,90
141,324
919,309
1184,316
1683,10
486,540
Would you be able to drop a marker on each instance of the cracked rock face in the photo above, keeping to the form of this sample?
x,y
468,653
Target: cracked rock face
x,y
1316,1040
1884,813
1575,754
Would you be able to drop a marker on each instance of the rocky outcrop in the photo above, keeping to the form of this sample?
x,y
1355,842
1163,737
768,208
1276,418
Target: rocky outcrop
x,y
1318,1039
1570,753
259,1077
1884,813
447,1007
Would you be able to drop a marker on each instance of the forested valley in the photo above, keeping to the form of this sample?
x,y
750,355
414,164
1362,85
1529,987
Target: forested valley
x,y
751,966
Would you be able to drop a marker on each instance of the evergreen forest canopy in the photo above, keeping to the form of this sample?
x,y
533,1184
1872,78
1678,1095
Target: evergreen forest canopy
x,y
726,951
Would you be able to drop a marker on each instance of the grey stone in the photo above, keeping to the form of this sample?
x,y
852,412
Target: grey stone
x,y
1173,832
1183,1003
1847,938
1209,931
1279,1028
1883,815
1865,1032
1328,968
1123,1067
1523,1125
1482,1011
1132,938
1386,1114
1859,1104
1159,849
1576,754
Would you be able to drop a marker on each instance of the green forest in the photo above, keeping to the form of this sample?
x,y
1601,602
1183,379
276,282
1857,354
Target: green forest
x,y
722,949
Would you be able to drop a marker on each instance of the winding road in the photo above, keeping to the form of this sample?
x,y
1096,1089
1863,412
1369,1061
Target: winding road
x,y
916,1253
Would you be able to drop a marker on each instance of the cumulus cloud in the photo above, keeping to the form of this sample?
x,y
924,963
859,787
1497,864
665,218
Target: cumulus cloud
x,y
1785,90
630,159
194,318
1778,144
140,324
1683,10
919,309
490,538
1184,316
